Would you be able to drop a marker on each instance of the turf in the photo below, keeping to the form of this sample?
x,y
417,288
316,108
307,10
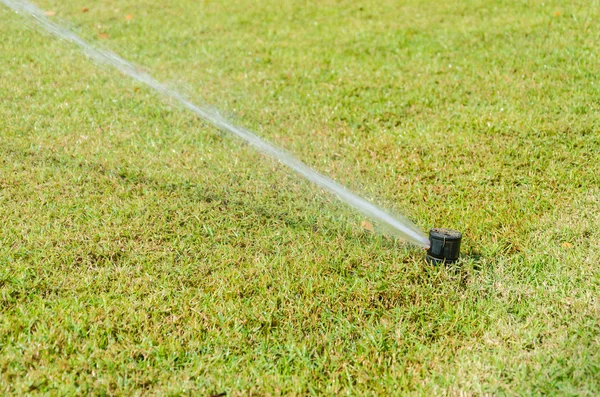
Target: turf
x,y
143,252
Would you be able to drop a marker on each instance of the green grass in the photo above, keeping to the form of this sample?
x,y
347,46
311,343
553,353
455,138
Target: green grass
x,y
143,252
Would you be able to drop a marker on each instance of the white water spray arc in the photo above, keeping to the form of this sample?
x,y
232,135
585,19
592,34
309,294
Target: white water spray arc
x,y
399,226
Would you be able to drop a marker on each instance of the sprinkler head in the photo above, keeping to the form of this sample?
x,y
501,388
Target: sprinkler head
x,y
444,246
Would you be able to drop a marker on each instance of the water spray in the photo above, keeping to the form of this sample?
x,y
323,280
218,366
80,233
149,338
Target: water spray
x,y
444,245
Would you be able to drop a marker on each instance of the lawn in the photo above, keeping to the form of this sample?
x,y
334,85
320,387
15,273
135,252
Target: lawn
x,y
142,251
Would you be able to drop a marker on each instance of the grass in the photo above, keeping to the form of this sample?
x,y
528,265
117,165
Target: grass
x,y
142,252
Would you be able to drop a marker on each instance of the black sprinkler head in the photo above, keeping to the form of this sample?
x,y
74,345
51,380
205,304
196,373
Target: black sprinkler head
x,y
444,246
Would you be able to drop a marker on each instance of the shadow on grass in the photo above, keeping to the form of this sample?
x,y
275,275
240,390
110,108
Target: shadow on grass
x,y
306,219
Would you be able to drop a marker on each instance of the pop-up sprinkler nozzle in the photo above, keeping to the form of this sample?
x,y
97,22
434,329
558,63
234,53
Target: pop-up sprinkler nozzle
x,y
444,246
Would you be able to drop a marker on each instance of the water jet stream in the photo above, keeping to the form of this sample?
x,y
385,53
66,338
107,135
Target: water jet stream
x,y
400,226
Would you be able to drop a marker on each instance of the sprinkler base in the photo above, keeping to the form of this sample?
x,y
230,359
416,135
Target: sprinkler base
x,y
444,246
